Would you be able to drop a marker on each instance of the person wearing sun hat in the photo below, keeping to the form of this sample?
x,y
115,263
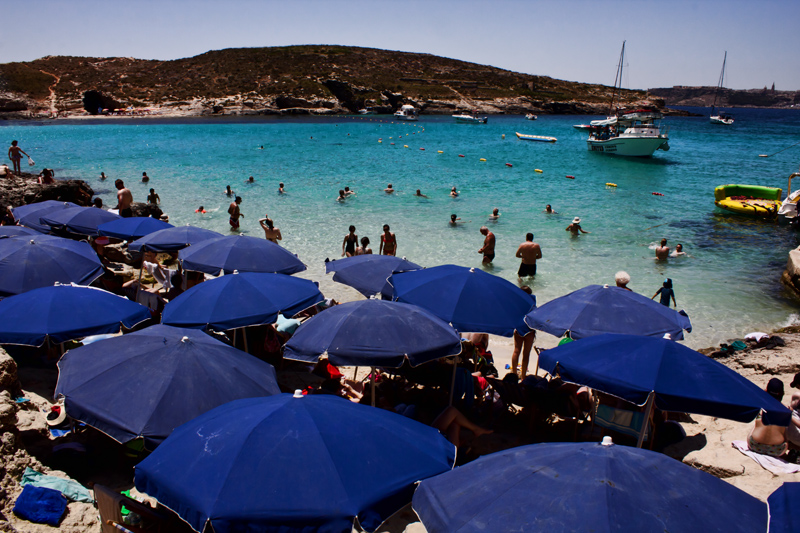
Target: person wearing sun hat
x,y
575,227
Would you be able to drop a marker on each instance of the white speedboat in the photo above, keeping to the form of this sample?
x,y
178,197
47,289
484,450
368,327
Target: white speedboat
x,y
366,111
634,134
470,118
720,118
531,116
406,112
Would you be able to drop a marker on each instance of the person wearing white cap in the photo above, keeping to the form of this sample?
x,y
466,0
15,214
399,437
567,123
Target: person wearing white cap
x,y
575,227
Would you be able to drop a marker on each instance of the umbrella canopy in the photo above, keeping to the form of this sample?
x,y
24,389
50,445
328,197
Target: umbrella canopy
x,y
469,299
83,220
782,504
242,253
241,300
16,231
132,227
30,215
368,274
309,463
583,487
374,333
600,309
631,367
28,263
172,239
147,383
65,312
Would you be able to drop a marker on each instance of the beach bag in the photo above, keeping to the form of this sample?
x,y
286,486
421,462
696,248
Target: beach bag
x,y
30,162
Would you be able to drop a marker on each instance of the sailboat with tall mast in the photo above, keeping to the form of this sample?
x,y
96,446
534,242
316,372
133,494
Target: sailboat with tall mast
x,y
636,133
720,118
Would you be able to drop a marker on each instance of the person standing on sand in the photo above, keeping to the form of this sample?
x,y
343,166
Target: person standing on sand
x,y
522,344
272,233
14,152
349,243
529,252
488,245
124,199
662,251
235,213
388,242
575,227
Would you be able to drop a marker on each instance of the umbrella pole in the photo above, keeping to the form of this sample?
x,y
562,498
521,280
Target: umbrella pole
x,y
453,380
372,383
244,337
647,410
139,285
234,338
355,374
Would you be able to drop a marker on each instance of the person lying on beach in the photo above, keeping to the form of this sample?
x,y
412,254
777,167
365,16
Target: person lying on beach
x,y
451,421
495,214
272,233
364,249
575,227
769,440
388,189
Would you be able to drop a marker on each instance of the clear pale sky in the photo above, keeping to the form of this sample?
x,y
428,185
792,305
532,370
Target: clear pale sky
x,y
672,42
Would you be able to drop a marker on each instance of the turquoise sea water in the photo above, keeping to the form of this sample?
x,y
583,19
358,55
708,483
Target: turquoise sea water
x,y
729,286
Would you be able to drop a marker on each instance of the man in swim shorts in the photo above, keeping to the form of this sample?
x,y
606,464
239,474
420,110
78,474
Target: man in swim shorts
x,y
388,242
124,199
488,245
235,213
14,152
662,251
529,252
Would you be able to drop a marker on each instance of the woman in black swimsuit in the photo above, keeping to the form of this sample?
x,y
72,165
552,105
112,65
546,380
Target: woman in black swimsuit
x,y
350,242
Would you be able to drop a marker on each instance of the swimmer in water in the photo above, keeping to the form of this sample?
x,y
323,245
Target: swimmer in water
x,y
419,193
102,176
575,227
348,192
342,197
250,179
145,177
280,188
228,191
454,192
200,210
495,214
153,198
272,233
388,189
549,210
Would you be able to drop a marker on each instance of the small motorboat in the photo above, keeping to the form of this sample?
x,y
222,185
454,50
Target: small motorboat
x,y
538,138
406,112
470,118
531,116
752,201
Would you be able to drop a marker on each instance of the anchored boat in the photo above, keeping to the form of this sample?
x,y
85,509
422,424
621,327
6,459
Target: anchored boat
x,y
539,138
749,200
406,112
470,118
720,118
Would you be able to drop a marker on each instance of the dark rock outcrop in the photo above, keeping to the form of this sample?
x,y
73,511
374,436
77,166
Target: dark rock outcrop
x,y
26,189
95,101
141,209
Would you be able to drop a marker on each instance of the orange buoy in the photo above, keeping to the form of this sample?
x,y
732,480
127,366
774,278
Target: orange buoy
x,y
570,177
460,155
509,165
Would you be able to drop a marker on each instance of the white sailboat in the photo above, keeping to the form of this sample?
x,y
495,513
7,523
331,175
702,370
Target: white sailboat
x,y
720,118
636,133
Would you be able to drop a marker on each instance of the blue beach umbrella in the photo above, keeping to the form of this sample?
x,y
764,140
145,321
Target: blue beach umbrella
x,y
65,312
28,263
783,514
172,239
468,298
374,333
292,463
589,486
240,300
147,383
16,231
82,220
368,274
600,309
132,227
242,253
30,215
678,378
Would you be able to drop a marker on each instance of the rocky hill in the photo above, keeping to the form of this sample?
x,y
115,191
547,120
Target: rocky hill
x,y
704,97
291,80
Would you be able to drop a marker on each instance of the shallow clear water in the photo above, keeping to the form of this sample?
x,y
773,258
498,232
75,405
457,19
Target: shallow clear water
x,y
729,286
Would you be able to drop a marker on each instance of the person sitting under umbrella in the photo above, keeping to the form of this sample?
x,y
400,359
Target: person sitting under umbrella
x,y
764,439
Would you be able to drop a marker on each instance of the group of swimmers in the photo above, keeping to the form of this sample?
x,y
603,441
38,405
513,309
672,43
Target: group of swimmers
x,y
350,246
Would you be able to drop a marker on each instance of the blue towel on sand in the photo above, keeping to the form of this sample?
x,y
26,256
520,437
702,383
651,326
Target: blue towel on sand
x,y
40,505
69,488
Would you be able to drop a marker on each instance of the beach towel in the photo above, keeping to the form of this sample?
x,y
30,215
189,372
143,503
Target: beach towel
x,y
773,464
69,488
40,505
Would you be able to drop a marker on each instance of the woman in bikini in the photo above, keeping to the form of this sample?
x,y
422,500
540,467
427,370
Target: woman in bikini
x,y
349,243
14,154
388,242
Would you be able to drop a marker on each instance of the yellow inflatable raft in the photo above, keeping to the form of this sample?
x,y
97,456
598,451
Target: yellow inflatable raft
x,y
748,200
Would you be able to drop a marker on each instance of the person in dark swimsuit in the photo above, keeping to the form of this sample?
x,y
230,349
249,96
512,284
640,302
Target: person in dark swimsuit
x,y
388,242
350,242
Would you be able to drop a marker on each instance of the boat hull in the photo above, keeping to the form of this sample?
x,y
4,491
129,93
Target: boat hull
x,y
409,118
464,119
537,138
722,120
629,147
